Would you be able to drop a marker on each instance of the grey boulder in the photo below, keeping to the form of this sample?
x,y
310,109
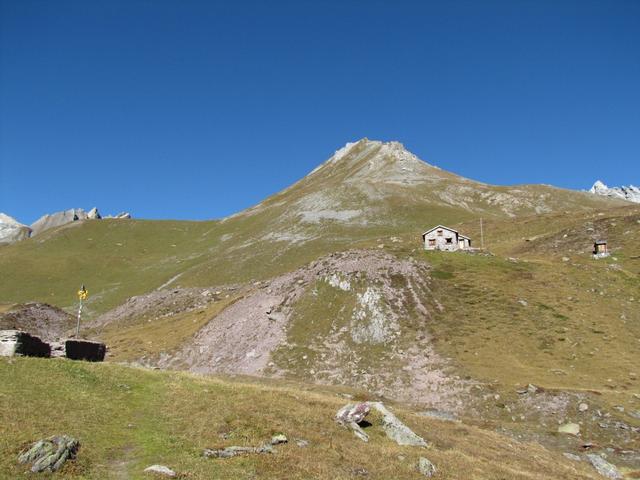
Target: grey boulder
x,y
50,454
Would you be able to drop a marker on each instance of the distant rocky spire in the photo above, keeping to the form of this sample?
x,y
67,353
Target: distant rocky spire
x,y
630,193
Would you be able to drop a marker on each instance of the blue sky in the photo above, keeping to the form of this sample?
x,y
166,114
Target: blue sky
x,y
197,109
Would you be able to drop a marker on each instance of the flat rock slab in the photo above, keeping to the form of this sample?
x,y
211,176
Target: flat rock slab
x,y
603,467
85,350
17,342
160,470
234,451
50,454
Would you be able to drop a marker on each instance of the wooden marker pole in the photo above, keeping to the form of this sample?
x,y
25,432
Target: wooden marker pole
x,y
481,235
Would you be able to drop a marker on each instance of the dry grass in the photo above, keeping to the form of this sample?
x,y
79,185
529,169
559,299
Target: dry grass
x,y
148,336
129,418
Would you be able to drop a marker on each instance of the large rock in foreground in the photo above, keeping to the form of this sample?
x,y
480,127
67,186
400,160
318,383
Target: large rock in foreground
x,y
16,342
85,350
50,454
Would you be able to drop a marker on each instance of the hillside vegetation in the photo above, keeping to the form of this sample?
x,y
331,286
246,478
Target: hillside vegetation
x,y
327,283
127,419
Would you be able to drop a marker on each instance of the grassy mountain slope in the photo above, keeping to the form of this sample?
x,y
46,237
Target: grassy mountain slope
x,y
127,419
327,282
365,191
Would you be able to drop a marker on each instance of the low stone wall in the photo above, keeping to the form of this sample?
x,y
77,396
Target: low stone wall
x,y
17,342
85,350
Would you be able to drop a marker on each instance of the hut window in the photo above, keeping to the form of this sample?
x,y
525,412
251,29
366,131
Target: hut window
x,y
432,242
439,233
449,240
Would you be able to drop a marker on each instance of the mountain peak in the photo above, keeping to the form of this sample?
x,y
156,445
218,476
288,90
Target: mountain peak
x,y
630,193
392,149
376,161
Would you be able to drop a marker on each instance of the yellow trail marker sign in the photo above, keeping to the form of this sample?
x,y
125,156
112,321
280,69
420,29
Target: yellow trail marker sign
x,y
82,295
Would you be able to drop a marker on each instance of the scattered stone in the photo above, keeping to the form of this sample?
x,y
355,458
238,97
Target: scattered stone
x,y
160,470
603,467
278,439
359,472
17,342
524,303
531,388
425,467
583,407
233,451
50,454
565,259
85,350
569,428
572,456
635,414
302,443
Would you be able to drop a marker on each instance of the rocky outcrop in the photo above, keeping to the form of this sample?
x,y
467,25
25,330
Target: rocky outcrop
x,y
11,230
69,216
120,216
94,214
15,342
350,416
58,219
630,193
49,455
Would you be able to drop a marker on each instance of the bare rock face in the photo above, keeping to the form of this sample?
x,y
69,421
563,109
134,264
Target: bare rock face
x,y
11,230
630,193
16,342
50,454
57,219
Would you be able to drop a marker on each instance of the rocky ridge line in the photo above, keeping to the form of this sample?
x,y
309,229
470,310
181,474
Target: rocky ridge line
x,y
630,193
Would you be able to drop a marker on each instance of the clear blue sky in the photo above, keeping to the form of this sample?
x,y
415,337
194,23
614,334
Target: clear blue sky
x,y
197,109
